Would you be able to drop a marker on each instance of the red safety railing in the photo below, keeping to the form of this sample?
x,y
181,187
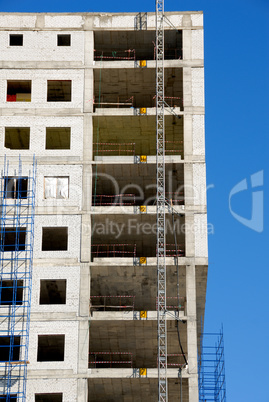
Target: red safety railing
x,y
173,147
114,250
119,102
176,198
114,148
108,359
117,199
128,54
172,101
169,53
171,250
172,303
174,356
104,303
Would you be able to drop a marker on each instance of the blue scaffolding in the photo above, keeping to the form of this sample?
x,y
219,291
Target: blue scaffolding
x,y
212,385
17,204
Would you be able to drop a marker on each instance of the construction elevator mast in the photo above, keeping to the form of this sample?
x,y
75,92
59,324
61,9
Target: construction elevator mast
x,y
161,244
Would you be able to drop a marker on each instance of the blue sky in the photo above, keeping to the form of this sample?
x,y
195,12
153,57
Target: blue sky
x,y
237,88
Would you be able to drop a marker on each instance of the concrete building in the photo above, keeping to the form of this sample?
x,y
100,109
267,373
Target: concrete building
x,y
78,91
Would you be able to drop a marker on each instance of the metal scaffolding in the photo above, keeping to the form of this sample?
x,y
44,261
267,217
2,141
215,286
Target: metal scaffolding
x,y
161,246
17,203
212,385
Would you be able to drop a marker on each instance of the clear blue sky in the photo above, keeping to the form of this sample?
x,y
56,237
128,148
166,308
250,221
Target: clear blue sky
x,y
237,131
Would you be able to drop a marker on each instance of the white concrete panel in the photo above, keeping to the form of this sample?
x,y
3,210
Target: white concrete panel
x,y
17,21
38,126
198,134
66,386
72,222
200,228
199,184
176,20
63,21
197,86
67,328
197,44
42,46
39,80
72,277
197,20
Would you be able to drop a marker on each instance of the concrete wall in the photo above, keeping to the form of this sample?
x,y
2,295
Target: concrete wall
x,y
38,126
72,276
73,222
39,80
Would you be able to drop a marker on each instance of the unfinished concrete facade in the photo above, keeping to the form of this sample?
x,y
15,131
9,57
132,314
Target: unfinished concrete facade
x,y
78,91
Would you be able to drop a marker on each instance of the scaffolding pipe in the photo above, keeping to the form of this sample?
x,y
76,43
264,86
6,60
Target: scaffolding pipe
x,y
17,203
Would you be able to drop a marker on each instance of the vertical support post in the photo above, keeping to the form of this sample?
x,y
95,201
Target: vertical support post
x,y
161,243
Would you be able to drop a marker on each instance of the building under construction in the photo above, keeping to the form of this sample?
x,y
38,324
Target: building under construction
x,y
103,222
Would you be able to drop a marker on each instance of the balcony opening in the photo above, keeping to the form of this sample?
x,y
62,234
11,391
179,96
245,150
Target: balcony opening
x,y
119,185
9,348
64,40
52,291
15,40
50,348
58,137
134,236
136,88
19,91
54,238
13,239
16,187
55,397
135,45
59,91
17,137
11,292
141,140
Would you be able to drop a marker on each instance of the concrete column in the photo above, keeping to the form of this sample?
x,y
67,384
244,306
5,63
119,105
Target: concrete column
x,y
82,390
88,48
84,290
192,333
83,346
188,184
87,137
187,89
88,90
187,42
189,235
187,138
